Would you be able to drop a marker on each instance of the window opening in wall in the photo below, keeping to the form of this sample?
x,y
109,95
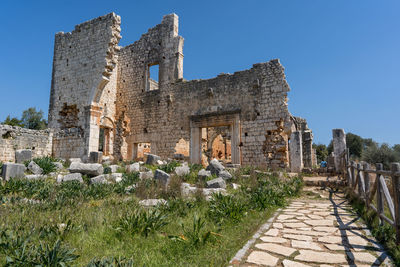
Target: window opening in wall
x,y
140,150
152,77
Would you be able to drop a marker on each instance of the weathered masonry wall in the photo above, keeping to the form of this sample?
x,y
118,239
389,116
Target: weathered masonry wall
x,y
162,117
13,138
83,87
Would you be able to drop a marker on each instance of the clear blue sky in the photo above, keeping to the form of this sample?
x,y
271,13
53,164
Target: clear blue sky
x,y
342,57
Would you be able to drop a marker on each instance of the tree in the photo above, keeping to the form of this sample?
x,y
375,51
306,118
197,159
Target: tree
x,y
321,151
33,119
12,121
355,144
380,154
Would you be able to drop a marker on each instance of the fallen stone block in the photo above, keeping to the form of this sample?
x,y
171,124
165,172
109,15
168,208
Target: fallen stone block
x,y
161,176
203,174
35,176
34,168
96,157
59,165
12,170
116,177
101,179
182,170
111,169
216,183
152,202
146,175
188,190
22,155
152,159
135,167
215,167
70,177
225,175
92,169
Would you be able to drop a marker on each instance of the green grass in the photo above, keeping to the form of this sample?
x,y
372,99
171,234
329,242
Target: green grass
x,y
384,233
96,225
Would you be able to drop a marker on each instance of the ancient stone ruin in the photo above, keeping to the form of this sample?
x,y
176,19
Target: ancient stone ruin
x,y
111,99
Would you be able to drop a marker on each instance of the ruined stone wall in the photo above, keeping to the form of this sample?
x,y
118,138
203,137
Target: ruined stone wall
x,y
13,138
83,87
162,117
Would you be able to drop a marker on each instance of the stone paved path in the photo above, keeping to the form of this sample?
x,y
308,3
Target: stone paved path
x,y
320,229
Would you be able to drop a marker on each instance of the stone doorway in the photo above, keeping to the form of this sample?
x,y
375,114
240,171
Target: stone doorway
x,y
104,140
231,121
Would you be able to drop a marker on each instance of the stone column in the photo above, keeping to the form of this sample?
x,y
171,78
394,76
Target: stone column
x,y
235,141
195,145
307,149
339,146
296,152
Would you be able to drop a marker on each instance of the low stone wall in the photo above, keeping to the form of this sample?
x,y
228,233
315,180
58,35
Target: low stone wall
x,y
13,138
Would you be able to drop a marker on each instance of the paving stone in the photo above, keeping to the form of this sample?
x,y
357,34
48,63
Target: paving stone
x,y
325,229
335,247
298,237
331,239
305,245
262,258
363,257
289,263
320,257
272,232
295,225
277,225
315,217
299,232
319,222
322,213
284,217
273,239
278,249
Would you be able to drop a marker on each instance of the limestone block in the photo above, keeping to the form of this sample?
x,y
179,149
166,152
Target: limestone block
x,y
215,167
152,202
225,175
12,170
146,175
203,174
101,179
59,165
70,177
152,159
135,167
92,169
22,155
34,168
182,170
161,176
216,183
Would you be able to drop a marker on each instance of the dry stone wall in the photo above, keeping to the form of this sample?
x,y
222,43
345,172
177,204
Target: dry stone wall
x,y
13,138
83,84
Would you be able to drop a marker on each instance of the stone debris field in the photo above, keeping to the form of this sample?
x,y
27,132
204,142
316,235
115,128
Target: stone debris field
x,y
316,232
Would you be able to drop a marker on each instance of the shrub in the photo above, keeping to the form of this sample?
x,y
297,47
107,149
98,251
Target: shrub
x,y
46,163
196,235
140,221
169,167
226,208
54,254
111,262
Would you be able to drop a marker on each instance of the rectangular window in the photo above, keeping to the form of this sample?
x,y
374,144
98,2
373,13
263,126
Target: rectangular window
x,y
152,77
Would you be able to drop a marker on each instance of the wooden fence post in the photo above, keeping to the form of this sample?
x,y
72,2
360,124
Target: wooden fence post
x,y
367,183
360,185
379,192
353,179
395,168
